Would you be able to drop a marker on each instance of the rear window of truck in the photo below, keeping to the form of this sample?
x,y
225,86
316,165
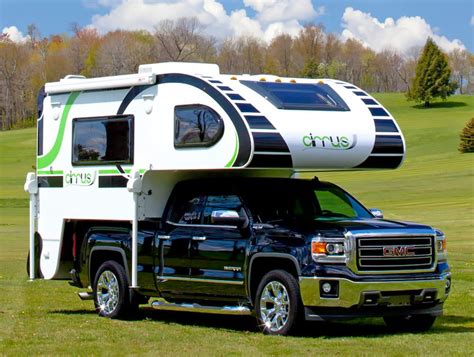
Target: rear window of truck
x,y
299,96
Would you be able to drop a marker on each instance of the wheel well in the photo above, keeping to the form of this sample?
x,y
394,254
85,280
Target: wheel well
x,y
262,265
98,257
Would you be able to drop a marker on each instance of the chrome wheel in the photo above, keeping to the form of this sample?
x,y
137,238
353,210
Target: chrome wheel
x,y
274,306
107,292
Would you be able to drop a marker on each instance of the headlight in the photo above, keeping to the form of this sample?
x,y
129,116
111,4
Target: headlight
x,y
441,246
328,250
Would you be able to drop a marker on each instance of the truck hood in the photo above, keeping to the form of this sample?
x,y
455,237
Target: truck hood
x,y
338,227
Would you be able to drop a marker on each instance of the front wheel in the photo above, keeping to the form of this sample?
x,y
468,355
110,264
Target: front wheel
x,y
278,303
111,295
414,323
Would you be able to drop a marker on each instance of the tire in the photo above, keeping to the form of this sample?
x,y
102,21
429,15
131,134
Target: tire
x,y
412,323
111,294
278,303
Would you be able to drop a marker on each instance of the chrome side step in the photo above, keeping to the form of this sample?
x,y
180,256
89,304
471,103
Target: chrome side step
x,y
225,310
86,295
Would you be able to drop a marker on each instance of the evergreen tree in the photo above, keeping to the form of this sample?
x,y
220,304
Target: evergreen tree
x,y
432,77
467,137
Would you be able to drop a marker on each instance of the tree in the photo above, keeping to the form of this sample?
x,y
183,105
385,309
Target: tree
x,y
432,78
467,137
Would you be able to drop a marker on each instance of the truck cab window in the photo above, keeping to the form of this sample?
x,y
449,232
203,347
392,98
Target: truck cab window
x,y
222,203
335,203
196,126
187,209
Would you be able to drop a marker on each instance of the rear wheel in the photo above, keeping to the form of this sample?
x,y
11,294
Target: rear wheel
x,y
111,295
278,303
415,323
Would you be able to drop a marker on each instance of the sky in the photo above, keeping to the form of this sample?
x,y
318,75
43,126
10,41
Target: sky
x,y
380,24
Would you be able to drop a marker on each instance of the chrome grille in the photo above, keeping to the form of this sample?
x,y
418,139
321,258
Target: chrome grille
x,y
395,253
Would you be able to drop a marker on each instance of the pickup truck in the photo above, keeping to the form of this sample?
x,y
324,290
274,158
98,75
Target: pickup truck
x,y
283,250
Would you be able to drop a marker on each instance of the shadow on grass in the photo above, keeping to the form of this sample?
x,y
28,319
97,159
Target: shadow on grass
x,y
441,105
370,327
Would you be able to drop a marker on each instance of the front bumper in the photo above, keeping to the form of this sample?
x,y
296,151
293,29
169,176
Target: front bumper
x,y
413,294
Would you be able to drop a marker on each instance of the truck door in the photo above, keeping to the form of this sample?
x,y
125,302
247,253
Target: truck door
x,y
218,251
172,246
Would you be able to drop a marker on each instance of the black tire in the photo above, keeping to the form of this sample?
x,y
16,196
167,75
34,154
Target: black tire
x,y
411,323
111,292
287,312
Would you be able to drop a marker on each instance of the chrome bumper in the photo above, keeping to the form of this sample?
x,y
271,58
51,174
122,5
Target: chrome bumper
x,y
375,293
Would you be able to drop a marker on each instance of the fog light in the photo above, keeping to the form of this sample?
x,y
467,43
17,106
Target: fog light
x,y
329,289
326,288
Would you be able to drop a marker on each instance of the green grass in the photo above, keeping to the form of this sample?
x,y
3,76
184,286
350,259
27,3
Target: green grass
x,y
435,186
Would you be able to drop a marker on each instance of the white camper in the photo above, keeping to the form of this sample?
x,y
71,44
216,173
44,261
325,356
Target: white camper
x,y
111,148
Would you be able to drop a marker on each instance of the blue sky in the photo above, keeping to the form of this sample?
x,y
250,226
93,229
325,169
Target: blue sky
x,y
449,20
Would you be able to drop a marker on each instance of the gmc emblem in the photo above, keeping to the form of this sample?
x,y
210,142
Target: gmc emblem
x,y
400,251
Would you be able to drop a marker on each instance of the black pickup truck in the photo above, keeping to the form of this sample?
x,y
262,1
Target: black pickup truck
x,y
284,250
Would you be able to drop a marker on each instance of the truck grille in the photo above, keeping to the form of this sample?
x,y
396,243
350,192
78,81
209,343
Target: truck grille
x,y
395,253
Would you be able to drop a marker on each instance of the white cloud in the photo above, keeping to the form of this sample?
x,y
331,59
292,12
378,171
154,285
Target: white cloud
x,y
472,21
272,17
14,34
402,34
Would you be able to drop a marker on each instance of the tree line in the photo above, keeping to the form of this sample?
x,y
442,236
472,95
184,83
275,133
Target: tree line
x,y
314,53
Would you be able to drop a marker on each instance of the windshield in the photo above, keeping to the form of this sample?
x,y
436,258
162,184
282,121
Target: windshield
x,y
292,200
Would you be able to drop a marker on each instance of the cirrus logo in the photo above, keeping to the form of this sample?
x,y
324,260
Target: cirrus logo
x,y
79,178
329,142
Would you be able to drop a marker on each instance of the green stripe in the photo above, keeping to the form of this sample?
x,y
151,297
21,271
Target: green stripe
x,y
115,171
49,172
49,158
236,150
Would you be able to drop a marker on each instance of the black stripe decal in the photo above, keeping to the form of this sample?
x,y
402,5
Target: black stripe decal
x,y
131,95
247,108
215,81
269,142
271,161
112,181
243,156
369,101
234,96
386,144
258,122
350,87
225,88
381,162
50,181
361,94
379,112
384,125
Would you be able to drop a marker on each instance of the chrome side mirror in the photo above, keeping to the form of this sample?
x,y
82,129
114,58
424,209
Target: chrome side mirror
x,y
378,214
227,218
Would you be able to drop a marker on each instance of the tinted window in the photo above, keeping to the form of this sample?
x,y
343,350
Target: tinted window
x,y
187,209
102,140
335,203
222,202
302,96
196,126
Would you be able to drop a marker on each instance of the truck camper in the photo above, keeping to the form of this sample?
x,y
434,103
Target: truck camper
x,y
179,185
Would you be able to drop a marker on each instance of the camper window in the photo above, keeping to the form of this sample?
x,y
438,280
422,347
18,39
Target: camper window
x,y
102,140
299,96
196,126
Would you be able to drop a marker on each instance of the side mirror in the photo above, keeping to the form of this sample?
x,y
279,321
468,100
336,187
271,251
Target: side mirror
x,y
378,214
227,218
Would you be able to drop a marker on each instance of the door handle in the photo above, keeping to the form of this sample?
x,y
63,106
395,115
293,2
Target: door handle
x,y
199,238
163,237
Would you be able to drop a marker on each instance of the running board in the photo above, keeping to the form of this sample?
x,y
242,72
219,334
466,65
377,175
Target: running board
x,y
225,310
86,295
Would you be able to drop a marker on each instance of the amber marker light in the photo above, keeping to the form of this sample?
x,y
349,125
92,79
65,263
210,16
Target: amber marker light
x,y
233,78
318,247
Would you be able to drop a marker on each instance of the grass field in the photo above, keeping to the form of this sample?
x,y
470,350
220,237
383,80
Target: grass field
x,y
435,186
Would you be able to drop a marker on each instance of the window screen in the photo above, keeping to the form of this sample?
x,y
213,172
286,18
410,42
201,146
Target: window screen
x,y
196,126
299,96
102,140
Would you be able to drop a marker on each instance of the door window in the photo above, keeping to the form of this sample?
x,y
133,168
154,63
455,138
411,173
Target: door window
x,y
222,203
187,209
